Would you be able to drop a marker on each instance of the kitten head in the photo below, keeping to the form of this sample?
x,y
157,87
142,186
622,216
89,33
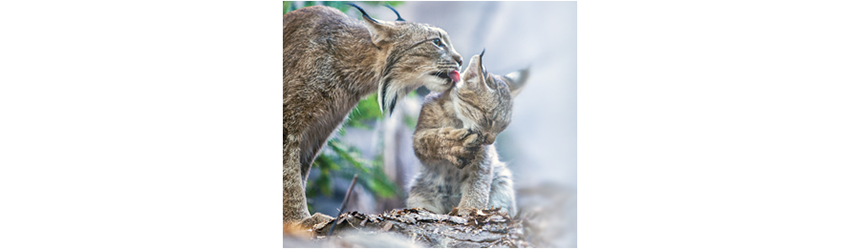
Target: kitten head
x,y
417,54
483,101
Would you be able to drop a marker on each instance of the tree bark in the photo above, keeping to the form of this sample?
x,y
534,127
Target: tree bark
x,y
481,228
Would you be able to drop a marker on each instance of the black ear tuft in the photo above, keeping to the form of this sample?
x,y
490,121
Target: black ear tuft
x,y
364,14
483,69
395,12
480,70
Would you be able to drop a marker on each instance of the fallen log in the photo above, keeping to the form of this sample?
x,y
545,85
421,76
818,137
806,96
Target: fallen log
x,y
422,228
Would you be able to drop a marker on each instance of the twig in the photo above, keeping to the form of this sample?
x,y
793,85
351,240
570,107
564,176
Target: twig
x,y
343,206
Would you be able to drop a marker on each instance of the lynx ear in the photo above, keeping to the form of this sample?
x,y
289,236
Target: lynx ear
x,y
516,81
483,72
379,30
475,69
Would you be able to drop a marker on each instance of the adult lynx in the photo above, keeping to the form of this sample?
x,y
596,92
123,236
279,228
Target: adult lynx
x,y
331,61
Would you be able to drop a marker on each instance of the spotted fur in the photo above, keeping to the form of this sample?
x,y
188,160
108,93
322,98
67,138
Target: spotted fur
x,y
332,61
454,140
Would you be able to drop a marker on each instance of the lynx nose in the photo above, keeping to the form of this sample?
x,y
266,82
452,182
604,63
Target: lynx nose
x,y
458,59
490,139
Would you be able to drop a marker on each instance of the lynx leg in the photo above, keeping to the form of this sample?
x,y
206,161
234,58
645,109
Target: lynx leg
x,y
295,201
476,189
502,192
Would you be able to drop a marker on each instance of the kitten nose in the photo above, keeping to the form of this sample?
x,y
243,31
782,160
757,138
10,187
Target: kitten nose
x,y
490,139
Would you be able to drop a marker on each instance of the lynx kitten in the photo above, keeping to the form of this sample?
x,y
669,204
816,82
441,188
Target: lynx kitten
x,y
454,140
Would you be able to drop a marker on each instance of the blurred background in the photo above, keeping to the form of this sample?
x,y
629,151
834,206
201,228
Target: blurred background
x,y
539,145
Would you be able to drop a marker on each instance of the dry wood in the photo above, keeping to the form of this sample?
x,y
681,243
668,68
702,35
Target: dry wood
x,y
481,228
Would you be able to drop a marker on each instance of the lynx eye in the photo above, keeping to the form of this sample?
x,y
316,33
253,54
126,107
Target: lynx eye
x,y
438,42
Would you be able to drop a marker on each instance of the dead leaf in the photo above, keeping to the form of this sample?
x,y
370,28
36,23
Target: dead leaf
x,y
387,226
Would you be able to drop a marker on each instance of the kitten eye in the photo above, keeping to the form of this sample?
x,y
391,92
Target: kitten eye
x,y
438,42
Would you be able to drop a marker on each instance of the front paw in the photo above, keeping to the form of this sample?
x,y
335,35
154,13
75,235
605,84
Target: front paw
x,y
459,162
463,212
462,155
317,218
473,140
451,133
461,145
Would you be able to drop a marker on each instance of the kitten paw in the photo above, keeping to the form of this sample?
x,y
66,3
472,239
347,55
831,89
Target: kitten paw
x,y
461,156
473,140
459,162
455,134
462,145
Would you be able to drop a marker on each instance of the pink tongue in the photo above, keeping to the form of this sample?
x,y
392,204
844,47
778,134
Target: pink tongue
x,y
455,76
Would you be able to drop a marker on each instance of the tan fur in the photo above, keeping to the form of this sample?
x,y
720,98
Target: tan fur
x,y
331,62
454,139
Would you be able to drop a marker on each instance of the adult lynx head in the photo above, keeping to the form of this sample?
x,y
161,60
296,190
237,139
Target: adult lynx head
x,y
418,54
483,101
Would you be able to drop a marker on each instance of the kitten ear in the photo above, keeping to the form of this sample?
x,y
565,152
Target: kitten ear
x,y
379,30
516,81
484,75
474,70
479,69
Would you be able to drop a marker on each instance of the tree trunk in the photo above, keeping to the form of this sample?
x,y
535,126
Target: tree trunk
x,y
481,228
